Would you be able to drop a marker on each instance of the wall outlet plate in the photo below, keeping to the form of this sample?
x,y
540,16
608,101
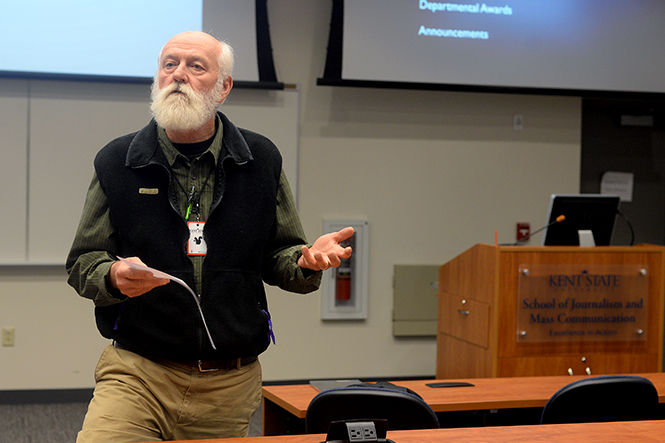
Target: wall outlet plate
x,y
8,336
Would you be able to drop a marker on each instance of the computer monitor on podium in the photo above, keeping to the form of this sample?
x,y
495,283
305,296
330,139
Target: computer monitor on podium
x,y
582,212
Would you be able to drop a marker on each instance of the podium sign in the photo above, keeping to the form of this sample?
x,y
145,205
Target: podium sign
x,y
517,311
595,302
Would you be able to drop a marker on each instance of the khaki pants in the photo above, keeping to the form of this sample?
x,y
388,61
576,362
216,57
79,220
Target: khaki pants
x,y
136,399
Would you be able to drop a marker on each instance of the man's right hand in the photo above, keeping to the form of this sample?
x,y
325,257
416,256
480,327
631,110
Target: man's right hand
x,y
133,282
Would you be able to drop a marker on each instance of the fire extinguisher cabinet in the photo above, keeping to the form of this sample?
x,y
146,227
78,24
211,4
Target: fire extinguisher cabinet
x,y
344,289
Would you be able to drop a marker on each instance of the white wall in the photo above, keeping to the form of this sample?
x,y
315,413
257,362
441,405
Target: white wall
x,y
432,172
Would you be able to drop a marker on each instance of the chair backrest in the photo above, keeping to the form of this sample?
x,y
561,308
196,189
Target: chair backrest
x,y
402,409
603,398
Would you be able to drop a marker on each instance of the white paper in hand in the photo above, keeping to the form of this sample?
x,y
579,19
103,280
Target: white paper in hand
x,y
159,274
156,273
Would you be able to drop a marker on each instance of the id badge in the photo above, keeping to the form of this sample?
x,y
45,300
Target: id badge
x,y
196,245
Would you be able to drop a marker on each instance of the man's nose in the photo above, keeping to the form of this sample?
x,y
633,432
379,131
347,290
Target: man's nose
x,y
180,74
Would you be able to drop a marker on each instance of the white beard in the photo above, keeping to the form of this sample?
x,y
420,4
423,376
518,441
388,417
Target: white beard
x,y
184,111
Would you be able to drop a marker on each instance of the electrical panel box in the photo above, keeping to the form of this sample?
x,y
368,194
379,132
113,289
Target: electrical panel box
x,y
415,303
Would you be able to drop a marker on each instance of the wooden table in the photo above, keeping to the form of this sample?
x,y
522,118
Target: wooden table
x,y
627,431
282,403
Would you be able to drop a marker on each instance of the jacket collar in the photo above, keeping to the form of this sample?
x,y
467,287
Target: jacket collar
x,y
144,147
234,144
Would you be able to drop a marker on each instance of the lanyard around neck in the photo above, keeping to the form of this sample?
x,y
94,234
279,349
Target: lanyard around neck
x,y
194,197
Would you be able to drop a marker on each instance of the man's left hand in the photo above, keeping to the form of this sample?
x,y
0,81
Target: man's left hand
x,y
326,252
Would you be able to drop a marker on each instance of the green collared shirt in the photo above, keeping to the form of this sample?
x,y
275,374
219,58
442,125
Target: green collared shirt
x,y
95,233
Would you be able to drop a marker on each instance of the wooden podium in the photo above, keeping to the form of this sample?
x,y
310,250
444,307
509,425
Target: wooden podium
x,y
525,311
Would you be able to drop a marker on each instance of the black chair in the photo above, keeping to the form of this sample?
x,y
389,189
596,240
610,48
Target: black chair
x,y
404,409
603,398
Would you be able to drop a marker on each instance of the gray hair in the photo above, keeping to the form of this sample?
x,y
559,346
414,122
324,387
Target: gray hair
x,y
225,60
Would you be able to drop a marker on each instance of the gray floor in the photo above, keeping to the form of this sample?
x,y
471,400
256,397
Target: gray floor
x,y
56,422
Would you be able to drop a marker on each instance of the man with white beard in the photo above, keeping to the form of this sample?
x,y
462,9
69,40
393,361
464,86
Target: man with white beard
x,y
206,202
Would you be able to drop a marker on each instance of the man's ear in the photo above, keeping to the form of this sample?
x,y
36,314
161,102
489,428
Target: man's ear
x,y
228,85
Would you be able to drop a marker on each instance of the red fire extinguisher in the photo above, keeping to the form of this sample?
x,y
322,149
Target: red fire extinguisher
x,y
343,274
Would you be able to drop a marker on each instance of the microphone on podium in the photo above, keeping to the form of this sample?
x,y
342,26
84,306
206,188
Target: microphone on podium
x,y
559,219
525,239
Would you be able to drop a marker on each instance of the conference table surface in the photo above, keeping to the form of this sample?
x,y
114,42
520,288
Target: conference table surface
x,y
485,394
627,431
